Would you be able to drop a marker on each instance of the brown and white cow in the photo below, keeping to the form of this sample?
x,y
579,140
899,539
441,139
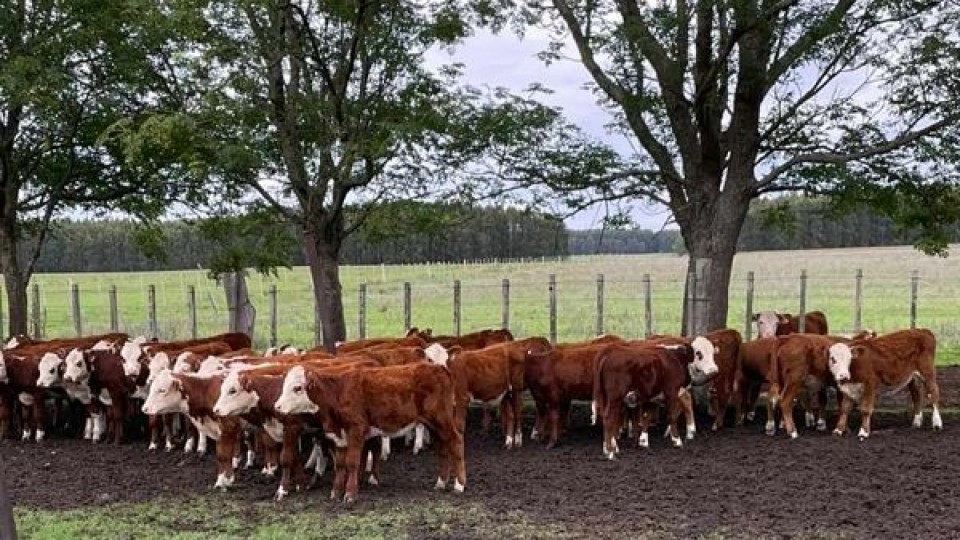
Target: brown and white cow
x,y
903,358
771,323
370,402
646,372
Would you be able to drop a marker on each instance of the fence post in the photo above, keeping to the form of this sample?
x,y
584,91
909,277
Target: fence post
x,y
192,310
647,307
748,322
914,289
362,312
317,327
37,331
456,307
2,332
152,310
552,288
505,304
599,304
802,317
272,300
687,329
407,307
114,312
858,302
75,309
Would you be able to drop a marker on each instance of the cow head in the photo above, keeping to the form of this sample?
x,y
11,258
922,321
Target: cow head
x,y
294,399
102,345
131,352
13,343
841,356
211,366
76,369
767,323
234,398
50,369
538,346
3,370
704,366
166,395
437,354
158,363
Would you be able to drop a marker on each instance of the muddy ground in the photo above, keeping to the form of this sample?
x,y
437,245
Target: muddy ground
x,y
902,482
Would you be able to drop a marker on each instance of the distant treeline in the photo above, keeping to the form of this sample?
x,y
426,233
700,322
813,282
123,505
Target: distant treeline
x,y
403,233
411,232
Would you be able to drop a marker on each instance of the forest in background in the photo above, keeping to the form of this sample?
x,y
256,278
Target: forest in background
x,y
413,232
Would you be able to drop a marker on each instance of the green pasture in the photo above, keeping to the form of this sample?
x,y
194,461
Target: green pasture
x,y
831,275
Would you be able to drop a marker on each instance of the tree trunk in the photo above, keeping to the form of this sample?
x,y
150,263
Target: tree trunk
x,y
323,256
242,313
14,280
711,244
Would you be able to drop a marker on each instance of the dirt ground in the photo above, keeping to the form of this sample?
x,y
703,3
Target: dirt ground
x,y
902,482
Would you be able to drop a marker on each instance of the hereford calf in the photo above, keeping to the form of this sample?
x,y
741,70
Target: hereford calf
x,y
195,397
102,373
903,358
771,323
373,401
646,372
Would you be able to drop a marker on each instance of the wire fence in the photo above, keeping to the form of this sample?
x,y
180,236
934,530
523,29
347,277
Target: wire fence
x,y
559,307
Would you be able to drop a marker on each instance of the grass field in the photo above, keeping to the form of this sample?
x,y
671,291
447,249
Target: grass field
x,y
830,286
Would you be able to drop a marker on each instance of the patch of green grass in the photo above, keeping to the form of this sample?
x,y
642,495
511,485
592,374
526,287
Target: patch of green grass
x,y
830,284
210,518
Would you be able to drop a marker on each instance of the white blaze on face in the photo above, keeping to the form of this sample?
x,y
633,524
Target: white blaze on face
x,y
703,353
290,350
233,398
840,358
76,367
294,398
211,366
3,370
49,370
131,352
158,363
181,365
102,345
437,354
767,322
165,395
12,343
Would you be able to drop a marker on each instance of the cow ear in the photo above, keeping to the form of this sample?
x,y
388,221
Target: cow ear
x,y
783,319
856,351
716,349
455,350
755,317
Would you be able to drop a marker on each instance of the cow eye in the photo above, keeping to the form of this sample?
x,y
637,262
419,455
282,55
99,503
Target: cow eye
x,y
298,389
232,391
53,370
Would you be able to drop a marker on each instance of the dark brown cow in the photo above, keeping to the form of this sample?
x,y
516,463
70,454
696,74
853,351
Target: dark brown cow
x,y
355,345
467,342
903,358
771,323
646,372
234,340
371,401
102,372
493,374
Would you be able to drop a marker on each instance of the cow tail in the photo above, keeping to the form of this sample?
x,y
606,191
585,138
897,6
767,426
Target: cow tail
x,y
599,399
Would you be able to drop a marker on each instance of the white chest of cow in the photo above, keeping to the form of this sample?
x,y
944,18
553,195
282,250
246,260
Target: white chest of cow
x,y
274,429
853,391
207,426
104,397
78,391
377,432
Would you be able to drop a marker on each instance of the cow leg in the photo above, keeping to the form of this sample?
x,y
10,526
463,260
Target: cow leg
x,y
786,409
553,416
686,402
866,410
916,395
192,436
612,420
352,463
720,398
933,394
39,416
339,473
225,450
846,405
289,459
486,420
373,464
513,414
821,411
675,406
154,423
539,420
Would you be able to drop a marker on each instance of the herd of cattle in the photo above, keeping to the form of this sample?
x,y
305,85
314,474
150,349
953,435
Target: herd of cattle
x,y
352,403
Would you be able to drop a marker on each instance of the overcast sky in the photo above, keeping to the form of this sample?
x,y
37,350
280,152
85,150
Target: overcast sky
x,y
505,60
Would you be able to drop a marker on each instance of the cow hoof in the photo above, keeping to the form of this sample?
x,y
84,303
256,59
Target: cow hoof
x,y
794,434
751,416
770,428
440,485
348,499
153,446
643,441
534,435
169,446
458,487
821,425
863,434
838,433
280,494
677,442
372,480
235,462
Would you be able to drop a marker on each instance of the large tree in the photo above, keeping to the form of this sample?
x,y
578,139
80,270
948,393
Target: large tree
x,y
302,107
68,71
729,100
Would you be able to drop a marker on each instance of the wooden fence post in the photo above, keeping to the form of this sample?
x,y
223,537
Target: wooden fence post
x,y
272,307
192,310
317,327
802,317
505,304
114,311
75,309
748,322
914,290
407,308
687,329
456,307
362,312
647,307
599,304
552,288
1,313
858,302
37,329
152,311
